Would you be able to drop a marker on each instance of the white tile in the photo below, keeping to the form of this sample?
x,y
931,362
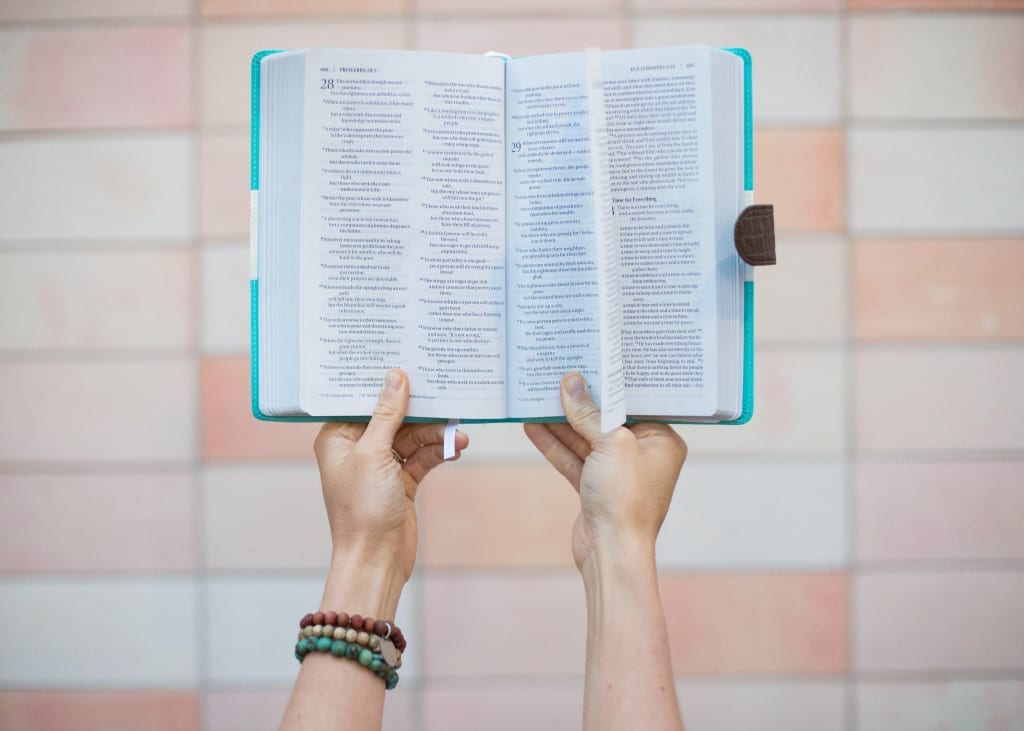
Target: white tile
x,y
816,269
269,516
135,187
933,180
762,706
93,411
795,58
98,633
964,705
743,514
940,398
930,65
282,603
226,299
96,300
499,443
799,406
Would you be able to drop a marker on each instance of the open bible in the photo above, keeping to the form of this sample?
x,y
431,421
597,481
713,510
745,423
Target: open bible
x,y
489,224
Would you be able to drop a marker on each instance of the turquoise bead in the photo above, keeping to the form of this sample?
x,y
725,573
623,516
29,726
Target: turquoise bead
x,y
323,644
365,657
353,650
339,648
376,665
304,646
391,681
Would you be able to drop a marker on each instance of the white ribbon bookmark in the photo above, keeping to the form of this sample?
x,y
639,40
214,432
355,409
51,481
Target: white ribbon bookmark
x,y
449,438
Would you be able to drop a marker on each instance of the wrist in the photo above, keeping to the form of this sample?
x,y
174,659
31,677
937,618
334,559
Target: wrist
x,y
359,584
619,559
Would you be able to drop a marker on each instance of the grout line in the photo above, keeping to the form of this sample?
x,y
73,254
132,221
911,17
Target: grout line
x,y
850,719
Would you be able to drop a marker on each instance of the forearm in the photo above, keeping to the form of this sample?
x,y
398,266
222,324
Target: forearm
x,y
629,681
336,692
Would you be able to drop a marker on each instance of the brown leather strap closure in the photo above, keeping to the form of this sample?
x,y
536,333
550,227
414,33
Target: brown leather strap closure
x,y
754,235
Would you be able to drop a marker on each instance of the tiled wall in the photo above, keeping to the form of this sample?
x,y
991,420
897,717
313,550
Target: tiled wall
x,y
852,560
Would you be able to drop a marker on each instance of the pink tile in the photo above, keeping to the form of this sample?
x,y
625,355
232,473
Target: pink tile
x,y
935,4
245,710
70,79
940,399
96,300
521,516
991,705
974,66
502,613
299,7
17,10
105,187
973,511
265,516
226,51
521,37
230,431
763,623
506,708
500,7
719,6
98,411
224,184
766,705
83,522
971,290
800,171
98,711
939,621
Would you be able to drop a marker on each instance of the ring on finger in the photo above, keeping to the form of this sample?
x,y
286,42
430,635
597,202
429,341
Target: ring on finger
x,y
398,457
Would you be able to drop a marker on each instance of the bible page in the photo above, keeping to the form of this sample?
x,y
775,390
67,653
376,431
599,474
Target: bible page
x,y
658,111
554,226
402,238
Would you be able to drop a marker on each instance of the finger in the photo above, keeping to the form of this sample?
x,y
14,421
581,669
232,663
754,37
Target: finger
x,y
568,436
579,407
661,433
413,436
425,459
560,456
335,433
389,411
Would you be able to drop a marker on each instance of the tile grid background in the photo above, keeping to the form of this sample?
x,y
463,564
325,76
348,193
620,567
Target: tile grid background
x,y
853,559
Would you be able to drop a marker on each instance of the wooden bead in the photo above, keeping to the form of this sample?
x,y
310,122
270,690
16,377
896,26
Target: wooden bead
x,y
356,621
363,638
342,620
318,618
331,618
306,621
368,624
380,627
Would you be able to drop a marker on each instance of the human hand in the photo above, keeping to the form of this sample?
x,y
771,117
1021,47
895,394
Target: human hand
x,y
625,478
370,495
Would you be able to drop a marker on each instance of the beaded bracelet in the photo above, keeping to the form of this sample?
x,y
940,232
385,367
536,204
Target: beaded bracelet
x,y
374,661
380,628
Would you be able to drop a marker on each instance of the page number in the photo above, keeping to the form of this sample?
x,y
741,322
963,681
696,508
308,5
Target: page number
x,y
326,83
517,146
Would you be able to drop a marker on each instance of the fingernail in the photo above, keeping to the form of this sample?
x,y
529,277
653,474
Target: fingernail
x,y
575,385
393,381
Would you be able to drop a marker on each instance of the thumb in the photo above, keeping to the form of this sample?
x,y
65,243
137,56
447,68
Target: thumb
x,y
389,412
580,409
